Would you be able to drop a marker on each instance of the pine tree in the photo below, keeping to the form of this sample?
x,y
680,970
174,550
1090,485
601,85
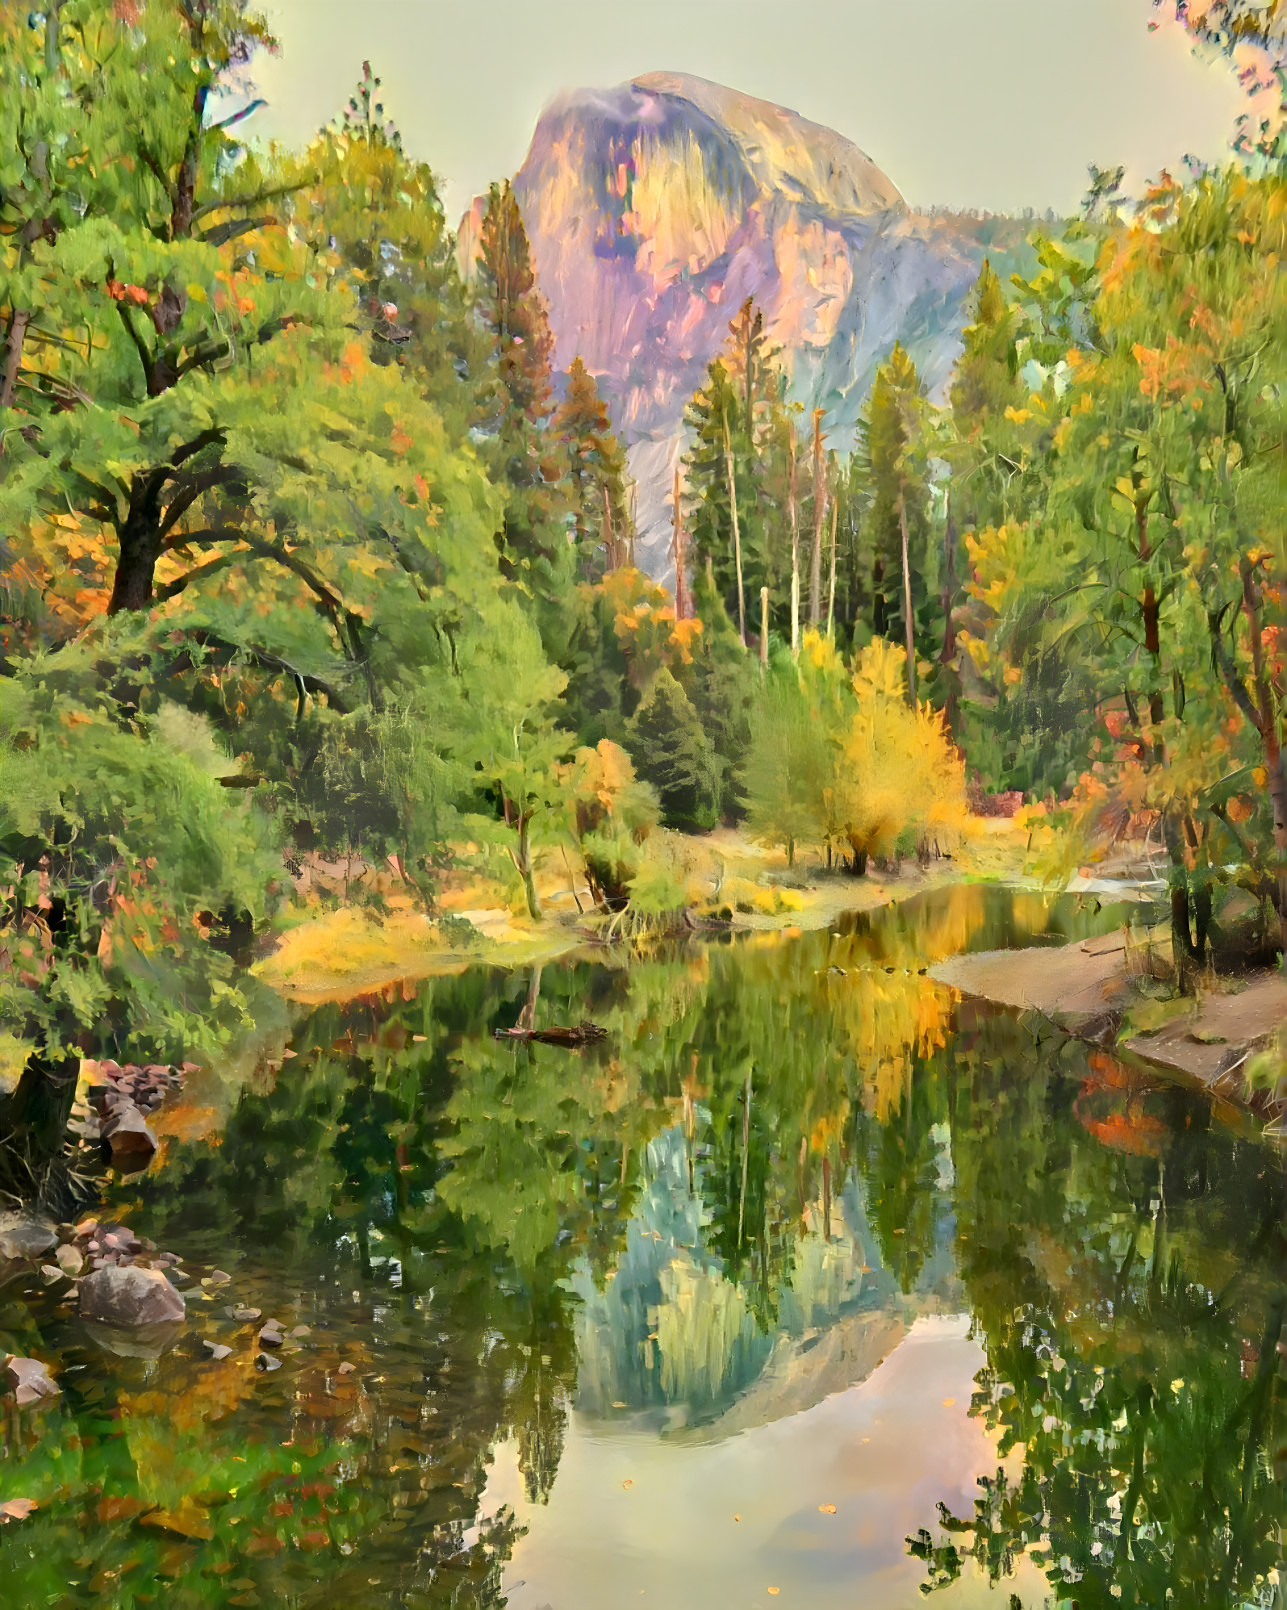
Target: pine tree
x,y
671,750
735,466
897,524
597,472
984,380
381,211
518,411
721,686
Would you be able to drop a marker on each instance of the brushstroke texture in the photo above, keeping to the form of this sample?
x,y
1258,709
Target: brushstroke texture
x,y
655,208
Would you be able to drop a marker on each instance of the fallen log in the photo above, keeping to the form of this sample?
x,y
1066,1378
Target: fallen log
x,y
566,1035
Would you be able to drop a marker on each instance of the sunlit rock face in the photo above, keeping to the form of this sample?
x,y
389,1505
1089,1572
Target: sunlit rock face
x,y
654,209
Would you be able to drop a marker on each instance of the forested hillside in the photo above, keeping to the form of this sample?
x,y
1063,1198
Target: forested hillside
x,y
306,549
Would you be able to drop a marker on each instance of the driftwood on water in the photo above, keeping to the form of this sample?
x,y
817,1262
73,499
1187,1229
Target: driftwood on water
x,y
562,1034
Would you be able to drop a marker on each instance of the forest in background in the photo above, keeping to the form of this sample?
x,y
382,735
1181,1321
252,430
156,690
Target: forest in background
x,y
304,548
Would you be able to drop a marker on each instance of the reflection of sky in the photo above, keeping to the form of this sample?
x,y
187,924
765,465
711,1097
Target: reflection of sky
x,y
671,1335
642,1520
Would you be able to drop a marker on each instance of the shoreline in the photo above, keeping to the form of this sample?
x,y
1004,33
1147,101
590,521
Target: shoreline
x,y
347,950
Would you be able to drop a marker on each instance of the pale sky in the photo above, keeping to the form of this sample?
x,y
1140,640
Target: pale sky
x,y
998,104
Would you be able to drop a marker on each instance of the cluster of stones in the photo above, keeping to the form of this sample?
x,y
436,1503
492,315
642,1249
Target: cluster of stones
x,y
120,1105
120,1280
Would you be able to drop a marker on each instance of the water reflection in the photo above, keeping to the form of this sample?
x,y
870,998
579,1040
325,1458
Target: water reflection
x,y
797,1198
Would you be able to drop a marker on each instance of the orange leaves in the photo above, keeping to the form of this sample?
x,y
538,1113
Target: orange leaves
x,y
643,618
353,363
134,294
400,441
1174,372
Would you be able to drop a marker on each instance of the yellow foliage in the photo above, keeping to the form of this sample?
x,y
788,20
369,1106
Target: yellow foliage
x,y
13,1059
899,768
643,617
602,792
756,899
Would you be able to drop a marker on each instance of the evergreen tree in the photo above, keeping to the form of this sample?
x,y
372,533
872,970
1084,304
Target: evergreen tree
x,y
983,382
381,211
518,412
736,468
721,686
671,751
891,445
597,471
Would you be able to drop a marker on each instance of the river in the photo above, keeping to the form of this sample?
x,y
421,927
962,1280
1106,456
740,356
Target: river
x,y
810,1284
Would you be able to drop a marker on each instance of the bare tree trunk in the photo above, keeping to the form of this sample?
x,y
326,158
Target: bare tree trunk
x,y
13,356
527,1017
1267,710
819,513
683,605
948,653
794,515
764,629
737,535
609,536
831,589
525,868
907,603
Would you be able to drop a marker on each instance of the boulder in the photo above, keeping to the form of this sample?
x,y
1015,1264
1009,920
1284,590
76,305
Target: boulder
x,y
24,1238
29,1380
127,1294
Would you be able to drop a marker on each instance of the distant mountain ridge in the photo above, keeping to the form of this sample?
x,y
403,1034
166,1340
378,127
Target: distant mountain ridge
x,y
655,208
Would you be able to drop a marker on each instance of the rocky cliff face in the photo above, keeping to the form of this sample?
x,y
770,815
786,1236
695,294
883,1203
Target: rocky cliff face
x,y
654,209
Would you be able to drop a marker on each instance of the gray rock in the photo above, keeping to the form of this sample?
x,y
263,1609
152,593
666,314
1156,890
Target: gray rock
x,y
129,1295
24,1238
219,1350
29,1380
71,1259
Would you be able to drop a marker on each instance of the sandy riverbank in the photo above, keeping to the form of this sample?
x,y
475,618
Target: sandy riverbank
x,y
332,948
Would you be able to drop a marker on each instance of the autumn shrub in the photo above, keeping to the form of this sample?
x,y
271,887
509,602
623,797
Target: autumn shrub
x,y
841,757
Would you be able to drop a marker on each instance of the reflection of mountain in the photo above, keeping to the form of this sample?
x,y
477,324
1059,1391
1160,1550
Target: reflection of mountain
x,y
655,208
668,1327
671,1332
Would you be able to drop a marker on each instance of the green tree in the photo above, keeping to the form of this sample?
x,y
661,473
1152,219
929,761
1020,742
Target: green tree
x,y
518,412
782,772
380,210
597,471
506,737
736,468
893,446
671,751
120,852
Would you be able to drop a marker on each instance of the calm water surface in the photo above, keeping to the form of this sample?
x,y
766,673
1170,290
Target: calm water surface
x,y
810,1285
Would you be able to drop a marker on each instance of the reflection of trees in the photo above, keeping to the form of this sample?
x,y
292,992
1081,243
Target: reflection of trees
x,y
304,1481
1130,1302
528,1228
